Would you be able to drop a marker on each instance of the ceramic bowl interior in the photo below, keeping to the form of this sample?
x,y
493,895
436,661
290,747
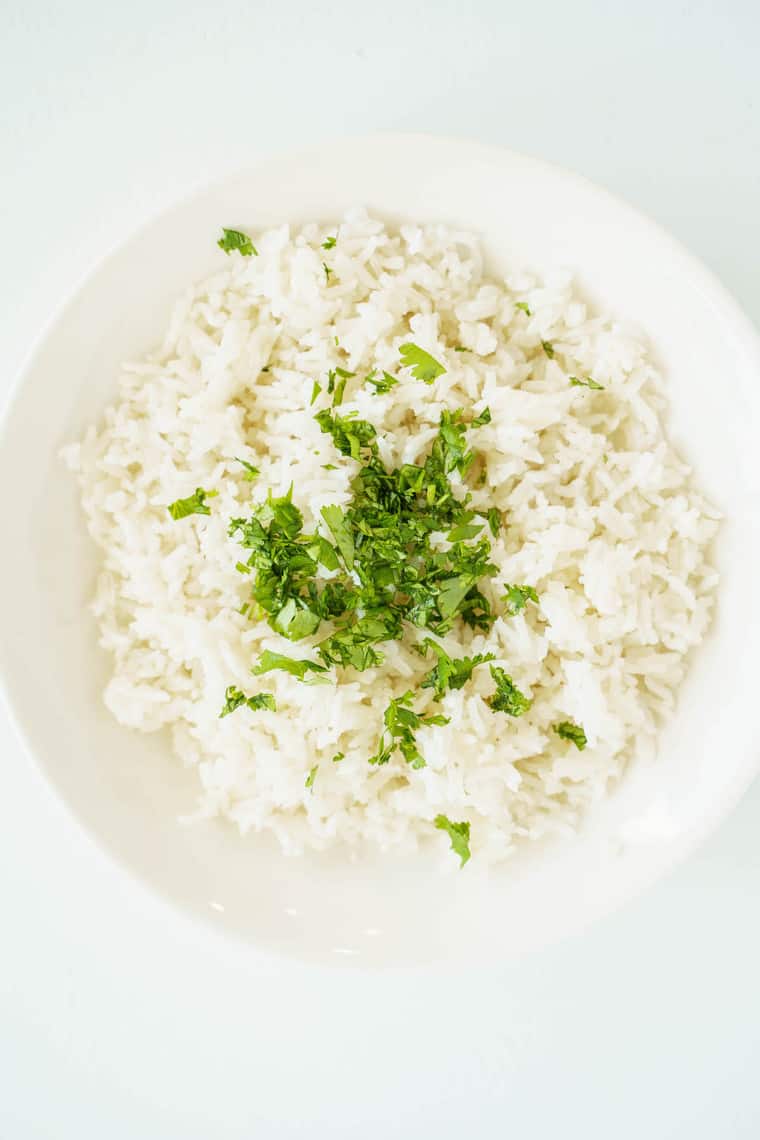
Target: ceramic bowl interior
x,y
126,788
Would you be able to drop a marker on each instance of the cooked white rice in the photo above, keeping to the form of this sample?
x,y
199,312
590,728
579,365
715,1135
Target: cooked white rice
x,y
601,519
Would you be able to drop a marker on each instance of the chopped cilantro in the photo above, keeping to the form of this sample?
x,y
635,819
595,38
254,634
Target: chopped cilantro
x,y
234,698
338,757
517,598
460,348
567,730
236,239
483,418
464,532
450,672
309,781
329,467
329,242
586,382
384,569
350,435
524,307
251,472
401,722
548,348
327,270
459,834
383,385
338,388
507,698
341,532
194,504
494,520
424,366
316,389
269,661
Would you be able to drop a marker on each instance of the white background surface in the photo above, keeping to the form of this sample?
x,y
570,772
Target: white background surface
x,y
118,1020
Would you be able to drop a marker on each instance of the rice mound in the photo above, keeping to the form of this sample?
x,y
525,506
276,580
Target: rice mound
x,y
601,518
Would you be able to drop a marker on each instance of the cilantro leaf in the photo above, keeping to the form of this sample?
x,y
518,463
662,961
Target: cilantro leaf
x,y
464,531
567,730
483,418
548,348
459,834
329,242
517,598
523,306
339,387
327,270
350,435
338,757
507,698
494,520
341,532
316,389
194,504
586,382
401,722
424,366
383,385
270,660
295,620
309,781
234,698
236,239
354,645
450,672
251,472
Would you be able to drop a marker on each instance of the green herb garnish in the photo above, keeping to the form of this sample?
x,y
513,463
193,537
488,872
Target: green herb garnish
x,y
517,598
194,504
384,570
450,672
383,385
401,723
338,757
424,366
586,382
316,389
459,834
507,698
567,730
327,270
309,781
329,242
336,384
524,307
251,472
483,418
548,348
236,239
234,698
269,661
351,436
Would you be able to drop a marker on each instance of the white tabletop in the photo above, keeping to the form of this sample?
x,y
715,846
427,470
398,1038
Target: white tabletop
x,y
117,1022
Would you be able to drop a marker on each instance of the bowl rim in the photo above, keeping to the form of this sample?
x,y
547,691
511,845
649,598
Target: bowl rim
x,y
708,282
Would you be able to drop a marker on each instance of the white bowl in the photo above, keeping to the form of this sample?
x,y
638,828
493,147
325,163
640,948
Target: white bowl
x,y
128,790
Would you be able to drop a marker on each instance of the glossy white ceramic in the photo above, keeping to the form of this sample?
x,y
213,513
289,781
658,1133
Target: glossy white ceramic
x,y
126,788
